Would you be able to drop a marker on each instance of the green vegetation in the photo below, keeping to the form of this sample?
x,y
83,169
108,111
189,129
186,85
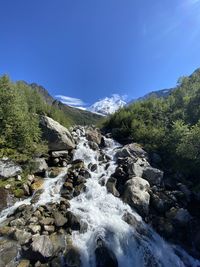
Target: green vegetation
x,y
20,107
170,126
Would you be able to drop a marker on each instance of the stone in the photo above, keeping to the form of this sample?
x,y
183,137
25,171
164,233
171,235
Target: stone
x,y
18,222
60,220
93,167
72,257
24,263
73,221
37,185
54,172
22,236
43,245
59,154
132,150
93,135
34,228
57,136
93,145
18,193
6,230
104,256
152,175
136,195
39,165
7,186
49,228
9,168
47,221
8,252
111,186
36,196
58,241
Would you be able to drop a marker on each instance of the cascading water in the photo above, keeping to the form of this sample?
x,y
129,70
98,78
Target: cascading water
x,y
101,214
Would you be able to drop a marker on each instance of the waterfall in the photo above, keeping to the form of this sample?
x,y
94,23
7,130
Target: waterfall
x,y
101,214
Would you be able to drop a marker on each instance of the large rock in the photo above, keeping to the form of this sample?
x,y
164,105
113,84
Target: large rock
x,y
8,252
39,165
152,175
43,245
72,257
136,194
93,135
132,150
8,168
104,256
57,136
111,186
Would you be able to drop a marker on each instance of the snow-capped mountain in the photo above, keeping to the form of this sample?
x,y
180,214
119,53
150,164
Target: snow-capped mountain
x,y
108,105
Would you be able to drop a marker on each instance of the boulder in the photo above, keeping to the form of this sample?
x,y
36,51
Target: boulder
x,y
136,194
8,168
132,150
59,154
104,256
152,175
57,136
39,165
93,135
22,236
60,220
72,257
111,186
73,221
24,263
8,252
136,167
43,245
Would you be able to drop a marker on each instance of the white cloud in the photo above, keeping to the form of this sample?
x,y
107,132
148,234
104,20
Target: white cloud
x,y
70,101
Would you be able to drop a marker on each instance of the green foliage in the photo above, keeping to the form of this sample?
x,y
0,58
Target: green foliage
x,y
169,126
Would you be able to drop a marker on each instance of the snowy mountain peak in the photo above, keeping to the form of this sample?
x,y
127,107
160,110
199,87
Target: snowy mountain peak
x,y
108,105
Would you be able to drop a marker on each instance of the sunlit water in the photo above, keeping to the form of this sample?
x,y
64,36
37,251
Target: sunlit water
x,y
102,214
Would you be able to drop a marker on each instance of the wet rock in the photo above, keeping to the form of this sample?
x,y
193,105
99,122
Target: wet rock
x,y
72,258
57,136
54,172
105,257
9,168
37,184
58,241
8,252
60,220
136,194
93,145
93,167
43,245
111,186
18,193
73,221
152,175
24,263
130,219
36,196
85,173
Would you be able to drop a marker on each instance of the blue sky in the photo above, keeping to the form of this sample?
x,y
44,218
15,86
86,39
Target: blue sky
x,y
89,49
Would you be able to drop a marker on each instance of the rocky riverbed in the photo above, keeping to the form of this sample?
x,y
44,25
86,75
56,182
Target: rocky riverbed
x,y
92,202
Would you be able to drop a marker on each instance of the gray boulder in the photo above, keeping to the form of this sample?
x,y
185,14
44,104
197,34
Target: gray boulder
x,y
132,150
8,168
136,194
93,135
39,165
152,175
111,186
43,245
57,136
8,252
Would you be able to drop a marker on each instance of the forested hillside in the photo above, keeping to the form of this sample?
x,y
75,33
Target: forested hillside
x,y
21,105
169,127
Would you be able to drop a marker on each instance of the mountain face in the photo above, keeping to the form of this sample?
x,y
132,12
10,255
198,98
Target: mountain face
x,y
76,116
108,105
160,93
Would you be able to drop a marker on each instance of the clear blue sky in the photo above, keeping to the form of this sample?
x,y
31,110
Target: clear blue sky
x,y
89,49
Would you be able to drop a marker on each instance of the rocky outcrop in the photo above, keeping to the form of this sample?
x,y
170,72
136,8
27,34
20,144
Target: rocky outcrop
x,y
57,136
8,168
136,194
94,135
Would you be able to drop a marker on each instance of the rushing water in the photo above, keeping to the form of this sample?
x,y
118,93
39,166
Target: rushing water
x,y
102,214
